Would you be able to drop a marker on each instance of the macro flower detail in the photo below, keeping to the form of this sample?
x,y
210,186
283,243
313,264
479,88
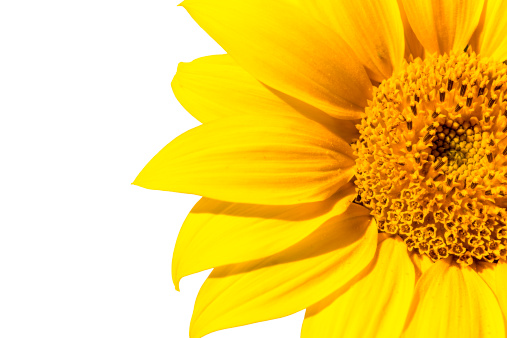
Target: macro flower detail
x,y
352,160
432,157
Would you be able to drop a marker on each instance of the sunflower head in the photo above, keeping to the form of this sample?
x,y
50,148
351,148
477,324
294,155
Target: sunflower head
x,y
431,157
321,103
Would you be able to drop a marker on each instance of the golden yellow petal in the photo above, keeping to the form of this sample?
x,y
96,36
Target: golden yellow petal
x,y
453,301
490,37
421,264
289,281
412,45
218,233
281,160
442,26
286,49
495,275
374,304
373,29
215,86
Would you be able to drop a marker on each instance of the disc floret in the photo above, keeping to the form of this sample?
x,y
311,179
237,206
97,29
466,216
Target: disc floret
x,y
432,157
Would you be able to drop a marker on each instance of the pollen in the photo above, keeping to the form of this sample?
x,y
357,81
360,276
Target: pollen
x,y
431,157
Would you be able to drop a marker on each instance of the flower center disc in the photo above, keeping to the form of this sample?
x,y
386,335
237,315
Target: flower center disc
x,y
431,157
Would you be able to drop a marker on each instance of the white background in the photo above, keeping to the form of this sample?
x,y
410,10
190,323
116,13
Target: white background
x,y
85,102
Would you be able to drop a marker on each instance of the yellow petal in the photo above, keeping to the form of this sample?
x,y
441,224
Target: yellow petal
x,y
244,159
215,86
421,264
490,38
453,301
218,233
495,275
442,26
289,281
382,293
412,45
286,49
372,28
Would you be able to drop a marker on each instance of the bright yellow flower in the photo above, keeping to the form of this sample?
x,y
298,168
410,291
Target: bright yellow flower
x,y
352,162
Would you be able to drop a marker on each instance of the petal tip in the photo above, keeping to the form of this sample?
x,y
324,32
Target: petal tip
x,y
176,281
137,182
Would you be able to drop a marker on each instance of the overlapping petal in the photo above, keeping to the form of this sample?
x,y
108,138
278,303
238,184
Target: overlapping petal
x,y
490,37
282,160
372,28
374,304
412,45
289,281
218,233
215,86
421,264
453,301
442,26
495,275
286,49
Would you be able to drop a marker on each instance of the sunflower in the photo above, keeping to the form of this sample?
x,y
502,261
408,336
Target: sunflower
x,y
352,162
